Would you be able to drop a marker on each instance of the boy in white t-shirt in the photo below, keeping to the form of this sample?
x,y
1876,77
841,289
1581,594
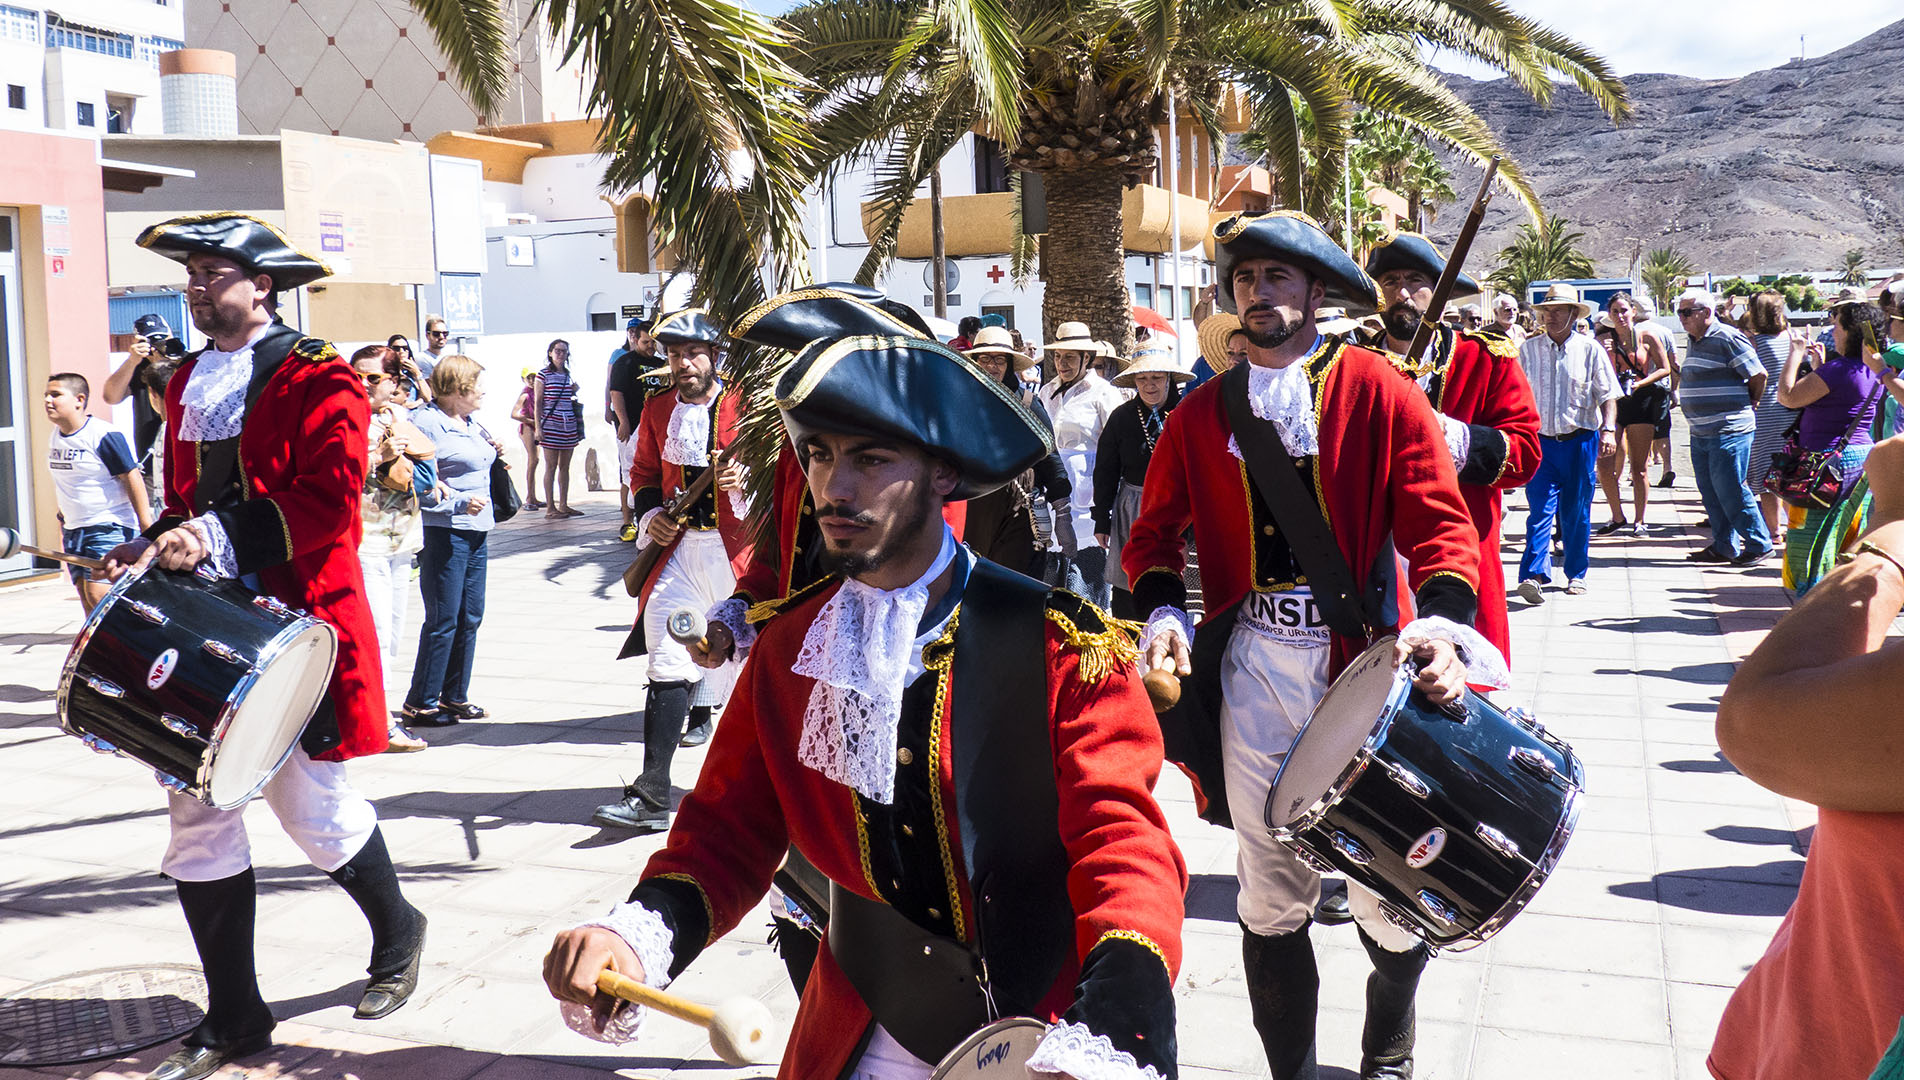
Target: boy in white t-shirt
x,y
96,481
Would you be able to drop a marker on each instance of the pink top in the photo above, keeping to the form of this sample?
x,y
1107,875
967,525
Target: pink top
x,y
1826,996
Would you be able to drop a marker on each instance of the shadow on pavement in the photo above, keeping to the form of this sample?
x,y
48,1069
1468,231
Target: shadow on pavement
x,y
1715,894
1700,674
110,892
16,692
492,811
28,641
1753,834
1702,624
1718,763
1213,897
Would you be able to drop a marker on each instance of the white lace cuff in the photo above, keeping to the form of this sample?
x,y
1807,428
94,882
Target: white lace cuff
x,y
220,558
646,933
1457,436
1485,666
1165,617
732,614
741,505
640,540
1074,1050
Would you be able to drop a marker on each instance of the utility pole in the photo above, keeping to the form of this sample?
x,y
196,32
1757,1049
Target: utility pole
x,y
1173,215
939,250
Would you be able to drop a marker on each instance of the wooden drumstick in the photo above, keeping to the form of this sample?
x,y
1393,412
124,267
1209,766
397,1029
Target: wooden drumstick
x,y
10,546
1163,686
737,1028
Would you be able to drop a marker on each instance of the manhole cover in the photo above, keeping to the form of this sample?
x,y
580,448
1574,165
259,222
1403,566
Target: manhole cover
x,y
100,1014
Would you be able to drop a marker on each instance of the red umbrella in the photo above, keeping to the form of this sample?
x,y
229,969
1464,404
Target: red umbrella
x,y
1151,319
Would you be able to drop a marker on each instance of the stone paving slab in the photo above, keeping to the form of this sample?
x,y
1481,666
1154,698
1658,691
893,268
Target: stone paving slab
x,y
1676,878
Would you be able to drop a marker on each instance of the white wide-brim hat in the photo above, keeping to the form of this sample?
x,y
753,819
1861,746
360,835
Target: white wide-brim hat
x,y
1150,360
1074,336
1560,294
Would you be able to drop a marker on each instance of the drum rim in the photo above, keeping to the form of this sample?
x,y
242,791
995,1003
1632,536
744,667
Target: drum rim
x,y
1362,757
279,644
1549,858
84,638
1006,1023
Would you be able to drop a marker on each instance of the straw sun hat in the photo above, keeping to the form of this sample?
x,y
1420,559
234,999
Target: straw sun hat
x,y
997,341
1074,336
1149,359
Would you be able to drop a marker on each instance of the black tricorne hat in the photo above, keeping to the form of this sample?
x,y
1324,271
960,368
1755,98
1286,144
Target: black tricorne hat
x,y
794,320
1412,251
1291,237
243,238
687,325
915,391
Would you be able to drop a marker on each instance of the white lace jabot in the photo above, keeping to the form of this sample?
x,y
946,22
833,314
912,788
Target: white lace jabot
x,y
214,402
857,652
1284,397
688,430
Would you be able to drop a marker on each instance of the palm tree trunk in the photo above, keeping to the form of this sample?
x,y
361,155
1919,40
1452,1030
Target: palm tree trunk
x,y
1086,264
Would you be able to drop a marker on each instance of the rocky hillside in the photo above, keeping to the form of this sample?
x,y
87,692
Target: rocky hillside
x,y
1783,169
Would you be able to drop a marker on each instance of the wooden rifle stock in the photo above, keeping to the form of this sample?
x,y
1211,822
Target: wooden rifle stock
x,y
635,577
1443,289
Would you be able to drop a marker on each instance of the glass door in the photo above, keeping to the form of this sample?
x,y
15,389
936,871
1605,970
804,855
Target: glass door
x,y
15,497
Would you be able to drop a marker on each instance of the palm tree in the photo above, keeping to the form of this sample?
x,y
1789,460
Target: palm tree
x,y
1542,253
1075,89
1663,272
701,109
1853,267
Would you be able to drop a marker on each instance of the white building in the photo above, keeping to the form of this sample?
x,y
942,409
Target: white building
x,y
91,66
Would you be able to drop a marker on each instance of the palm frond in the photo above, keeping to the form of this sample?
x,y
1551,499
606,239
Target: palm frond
x,y
919,145
482,57
980,40
1588,70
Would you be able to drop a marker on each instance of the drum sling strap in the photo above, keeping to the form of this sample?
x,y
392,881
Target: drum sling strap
x,y
929,991
218,484
1298,514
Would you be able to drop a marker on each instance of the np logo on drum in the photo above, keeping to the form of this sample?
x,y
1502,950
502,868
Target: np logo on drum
x,y
1427,848
162,669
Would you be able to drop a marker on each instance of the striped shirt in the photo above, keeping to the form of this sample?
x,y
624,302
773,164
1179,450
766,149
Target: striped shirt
x,y
1713,382
1571,382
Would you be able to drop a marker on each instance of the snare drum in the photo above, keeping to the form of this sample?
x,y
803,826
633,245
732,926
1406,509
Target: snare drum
x,y
197,677
1454,816
998,1051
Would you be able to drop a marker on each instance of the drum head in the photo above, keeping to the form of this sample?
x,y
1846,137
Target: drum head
x,y
999,1050
1340,725
271,713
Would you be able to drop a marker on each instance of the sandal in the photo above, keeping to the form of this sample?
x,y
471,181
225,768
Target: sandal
x,y
571,512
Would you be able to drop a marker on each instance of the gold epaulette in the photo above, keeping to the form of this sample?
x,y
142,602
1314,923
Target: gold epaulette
x,y
315,349
763,612
1496,343
1103,642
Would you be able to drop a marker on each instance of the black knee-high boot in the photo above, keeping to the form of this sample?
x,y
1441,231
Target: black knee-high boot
x,y
1386,1040
644,803
399,928
220,916
1283,986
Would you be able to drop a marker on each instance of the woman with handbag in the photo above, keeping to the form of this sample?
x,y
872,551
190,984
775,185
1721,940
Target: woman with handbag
x,y
458,515
1826,449
400,469
557,425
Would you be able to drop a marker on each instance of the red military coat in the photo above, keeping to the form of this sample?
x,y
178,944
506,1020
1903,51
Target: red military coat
x,y
1476,379
1383,468
656,482
1125,875
303,462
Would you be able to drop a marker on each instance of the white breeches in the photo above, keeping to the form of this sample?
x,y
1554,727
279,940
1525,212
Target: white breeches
x,y
1268,691
697,576
318,808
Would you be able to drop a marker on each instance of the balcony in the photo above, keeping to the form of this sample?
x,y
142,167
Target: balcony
x,y
984,224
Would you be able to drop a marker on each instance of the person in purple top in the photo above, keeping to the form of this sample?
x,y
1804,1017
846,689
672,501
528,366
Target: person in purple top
x,y
1836,400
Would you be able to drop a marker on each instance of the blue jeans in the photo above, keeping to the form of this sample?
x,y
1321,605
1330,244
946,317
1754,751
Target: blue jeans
x,y
1720,471
453,594
93,541
1562,487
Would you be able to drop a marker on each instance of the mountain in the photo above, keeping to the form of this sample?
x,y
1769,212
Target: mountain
x,y
1782,170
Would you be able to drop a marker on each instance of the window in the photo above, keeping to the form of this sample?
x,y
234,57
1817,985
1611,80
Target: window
x,y
989,167
19,24
64,35
84,113
16,96
119,115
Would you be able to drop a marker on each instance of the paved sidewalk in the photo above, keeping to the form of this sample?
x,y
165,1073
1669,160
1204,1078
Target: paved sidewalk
x,y
1676,878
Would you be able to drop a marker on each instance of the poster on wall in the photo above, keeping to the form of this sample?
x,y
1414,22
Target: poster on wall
x,y
364,205
460,304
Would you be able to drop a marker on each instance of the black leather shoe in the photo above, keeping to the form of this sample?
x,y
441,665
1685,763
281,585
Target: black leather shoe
x,y
463,710
697,736
193,1062
388,992
1707,555
631,812
427,715
1333,910
1666,479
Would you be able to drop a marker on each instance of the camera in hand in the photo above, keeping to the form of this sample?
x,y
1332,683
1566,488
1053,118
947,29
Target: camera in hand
x,y
160,336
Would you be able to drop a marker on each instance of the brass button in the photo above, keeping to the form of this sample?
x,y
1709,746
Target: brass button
x,y
905,756
906,830
934,911
1266,530
1300,463
808,509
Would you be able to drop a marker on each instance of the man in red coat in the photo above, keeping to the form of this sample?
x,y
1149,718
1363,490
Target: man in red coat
x,y
966,756
1474,382
1367,450
681,435
266,457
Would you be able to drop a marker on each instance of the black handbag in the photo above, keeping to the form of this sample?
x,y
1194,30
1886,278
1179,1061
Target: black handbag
x,y
505,497
1814,479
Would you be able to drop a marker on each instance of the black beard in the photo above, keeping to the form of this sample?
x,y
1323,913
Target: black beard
x,y
1277,337
1403,321
706,384
214,323
852,564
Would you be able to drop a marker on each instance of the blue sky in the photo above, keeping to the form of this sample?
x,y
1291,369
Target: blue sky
x,y
1708,40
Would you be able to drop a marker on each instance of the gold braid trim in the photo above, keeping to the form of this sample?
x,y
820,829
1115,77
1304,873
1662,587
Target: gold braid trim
x,y
1444,573
767,609
866,849
1102,652
317,349
1140,939
938,656
1497,344
713,932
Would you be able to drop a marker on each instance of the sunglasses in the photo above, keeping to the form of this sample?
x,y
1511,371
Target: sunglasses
x,y
371,379
436,333
1687,311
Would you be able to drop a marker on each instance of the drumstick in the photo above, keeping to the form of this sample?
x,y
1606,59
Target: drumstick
x,y
10,546
686,627
1163,686
736,1028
